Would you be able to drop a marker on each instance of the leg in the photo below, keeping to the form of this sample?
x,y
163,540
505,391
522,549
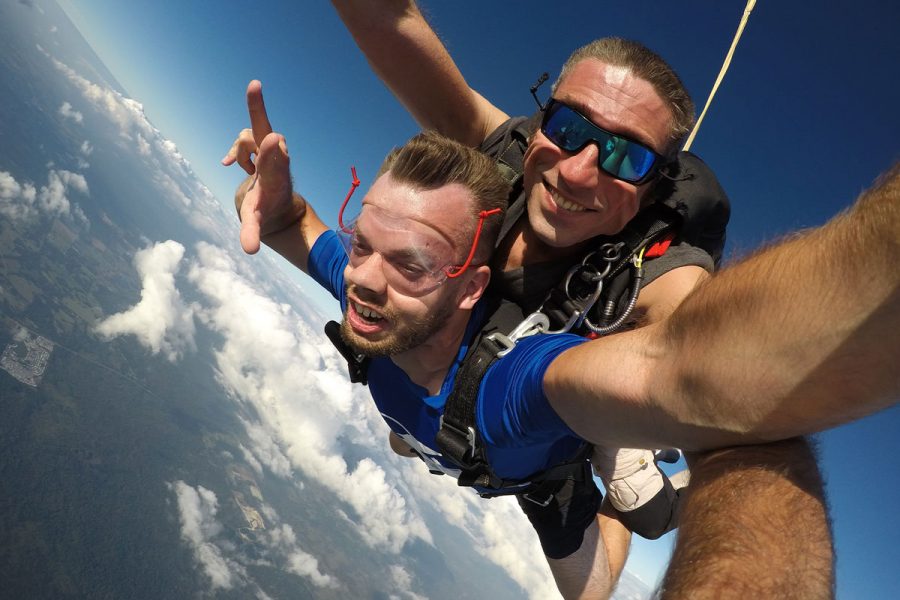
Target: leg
x,y
754,524
637,489
592,571
585,550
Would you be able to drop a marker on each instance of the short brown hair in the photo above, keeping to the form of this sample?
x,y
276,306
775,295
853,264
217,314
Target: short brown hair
x,y
649,66
429,161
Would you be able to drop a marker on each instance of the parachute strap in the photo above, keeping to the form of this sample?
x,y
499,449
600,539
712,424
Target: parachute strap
x,y
458,437
509,153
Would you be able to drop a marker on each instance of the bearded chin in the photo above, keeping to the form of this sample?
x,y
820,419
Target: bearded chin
x,y
407,334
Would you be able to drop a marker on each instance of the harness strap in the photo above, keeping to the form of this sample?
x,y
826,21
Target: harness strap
x,y
458,437
357,364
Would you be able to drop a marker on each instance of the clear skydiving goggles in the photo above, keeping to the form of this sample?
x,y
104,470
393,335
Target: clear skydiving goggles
x,y
619,157
415,258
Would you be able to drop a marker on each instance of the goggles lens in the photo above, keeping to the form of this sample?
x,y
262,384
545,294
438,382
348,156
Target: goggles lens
x,y
414,258
409,249
620,157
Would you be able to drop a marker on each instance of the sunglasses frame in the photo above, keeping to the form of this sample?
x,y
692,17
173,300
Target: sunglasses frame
x,y
658,159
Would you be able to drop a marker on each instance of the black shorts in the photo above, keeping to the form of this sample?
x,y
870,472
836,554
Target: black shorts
x,y
560,525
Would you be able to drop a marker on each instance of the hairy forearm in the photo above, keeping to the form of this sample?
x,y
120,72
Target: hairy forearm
x,y
754,525
797,338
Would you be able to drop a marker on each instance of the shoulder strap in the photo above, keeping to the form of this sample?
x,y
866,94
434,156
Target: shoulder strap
x,y
510,160
510,157
458,438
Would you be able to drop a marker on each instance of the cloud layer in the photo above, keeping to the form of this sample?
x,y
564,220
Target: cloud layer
x,y
219,557
171,171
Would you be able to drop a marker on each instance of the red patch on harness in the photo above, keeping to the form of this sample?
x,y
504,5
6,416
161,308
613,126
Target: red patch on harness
x,y
660,247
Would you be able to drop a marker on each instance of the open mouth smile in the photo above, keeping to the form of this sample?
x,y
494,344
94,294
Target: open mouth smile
x,y
563,203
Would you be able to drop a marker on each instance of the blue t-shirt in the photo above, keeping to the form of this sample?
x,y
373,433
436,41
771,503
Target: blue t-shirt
x,y
523,435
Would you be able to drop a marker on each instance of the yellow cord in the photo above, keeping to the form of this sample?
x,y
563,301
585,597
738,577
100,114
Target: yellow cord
x,y
639,259
737,36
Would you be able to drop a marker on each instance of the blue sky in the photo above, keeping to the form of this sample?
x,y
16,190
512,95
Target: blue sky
x,y
805,119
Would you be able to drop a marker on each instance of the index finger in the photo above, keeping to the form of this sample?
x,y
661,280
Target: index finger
x,y
259,120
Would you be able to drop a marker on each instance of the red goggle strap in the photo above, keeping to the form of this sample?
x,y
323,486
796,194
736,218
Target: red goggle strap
x,y
353,185
481,217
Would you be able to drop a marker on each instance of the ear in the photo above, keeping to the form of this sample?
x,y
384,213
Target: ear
x,y
477,280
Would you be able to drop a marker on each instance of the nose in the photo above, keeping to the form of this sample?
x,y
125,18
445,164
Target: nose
x,y
579,169
368,274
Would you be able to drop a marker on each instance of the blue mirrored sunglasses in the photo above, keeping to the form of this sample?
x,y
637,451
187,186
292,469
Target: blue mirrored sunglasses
x,y
619,157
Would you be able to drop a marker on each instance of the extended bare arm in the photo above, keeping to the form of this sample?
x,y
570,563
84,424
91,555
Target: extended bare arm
x,y
797,338
410,59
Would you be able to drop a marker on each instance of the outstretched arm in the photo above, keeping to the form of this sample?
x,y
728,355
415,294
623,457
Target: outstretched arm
x,y
410,59
268,207
795,339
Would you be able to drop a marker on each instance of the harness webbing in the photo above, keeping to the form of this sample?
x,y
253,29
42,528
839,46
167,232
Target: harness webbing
x,y
357,364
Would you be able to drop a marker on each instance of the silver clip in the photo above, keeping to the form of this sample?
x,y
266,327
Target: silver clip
x,y
533,324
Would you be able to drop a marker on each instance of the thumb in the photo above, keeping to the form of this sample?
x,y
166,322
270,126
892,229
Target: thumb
x,y
273,163
251,220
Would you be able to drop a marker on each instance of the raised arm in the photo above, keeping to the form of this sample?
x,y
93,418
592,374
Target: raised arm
x,y
269,209
797,338
410,59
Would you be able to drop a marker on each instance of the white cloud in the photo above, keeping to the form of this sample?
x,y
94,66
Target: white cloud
x,y
197,508
161,320
220,559
86,148
265,450
297,561
23,201
67,112
143,146
402,583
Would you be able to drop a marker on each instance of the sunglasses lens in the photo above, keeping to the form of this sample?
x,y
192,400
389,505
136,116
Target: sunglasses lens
x,y
619,156
565,128
637,163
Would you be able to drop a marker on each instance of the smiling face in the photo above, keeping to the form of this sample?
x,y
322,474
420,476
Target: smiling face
x,y
570,199
402,235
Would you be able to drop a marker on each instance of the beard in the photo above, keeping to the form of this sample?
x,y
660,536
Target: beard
x,y
408,332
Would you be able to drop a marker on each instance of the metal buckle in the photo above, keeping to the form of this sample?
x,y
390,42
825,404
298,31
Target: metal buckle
x,y
543,504
469,435
533,324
